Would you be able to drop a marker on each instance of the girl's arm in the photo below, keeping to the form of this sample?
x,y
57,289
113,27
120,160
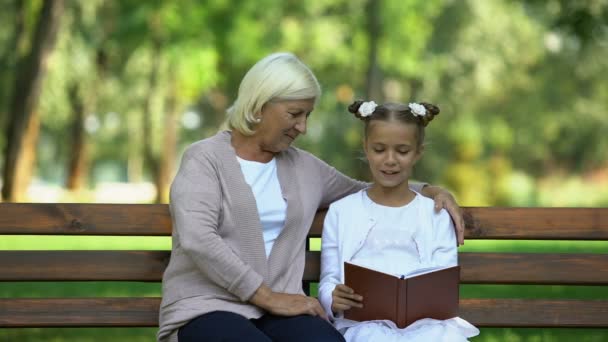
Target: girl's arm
x,y
444,200
443,239
333,295
331,270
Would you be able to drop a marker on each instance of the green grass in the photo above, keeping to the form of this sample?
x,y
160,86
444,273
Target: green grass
x,y
79,334
118,289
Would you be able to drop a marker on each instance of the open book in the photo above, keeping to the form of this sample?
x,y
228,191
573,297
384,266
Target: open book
x,y
425,293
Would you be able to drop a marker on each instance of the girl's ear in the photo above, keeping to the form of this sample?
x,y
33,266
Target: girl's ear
x,y
419,153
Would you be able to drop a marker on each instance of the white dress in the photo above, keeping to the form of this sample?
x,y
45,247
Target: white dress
x,y
399,241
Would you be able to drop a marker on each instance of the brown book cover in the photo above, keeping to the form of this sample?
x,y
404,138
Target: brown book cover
x,y
428,293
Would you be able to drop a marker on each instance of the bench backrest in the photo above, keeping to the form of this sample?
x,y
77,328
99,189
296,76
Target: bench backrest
x,y
148,266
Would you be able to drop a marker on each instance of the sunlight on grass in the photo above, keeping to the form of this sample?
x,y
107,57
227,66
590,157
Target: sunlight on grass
x,y
522,246
44,242
79,334
529,246
104,192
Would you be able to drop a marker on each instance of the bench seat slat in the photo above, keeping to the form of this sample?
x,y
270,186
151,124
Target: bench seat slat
x,y
79,312
534,268
154,219
524,223
480,268
143,312
536,223
83,265
85,219
535,313
515,268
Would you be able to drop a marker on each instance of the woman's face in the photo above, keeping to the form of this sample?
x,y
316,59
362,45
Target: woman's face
x,y
282,122
392,150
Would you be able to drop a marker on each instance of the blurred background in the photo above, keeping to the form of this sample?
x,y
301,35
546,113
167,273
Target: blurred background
x,y
98,99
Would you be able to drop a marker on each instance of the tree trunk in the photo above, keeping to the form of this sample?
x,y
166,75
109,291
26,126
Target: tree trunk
x,y
150,159
78,163
28,81
27,158
373,84
167,157
11,53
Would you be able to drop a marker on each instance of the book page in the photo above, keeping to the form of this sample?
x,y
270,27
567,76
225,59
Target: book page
x,y
414,273
422,271
373,269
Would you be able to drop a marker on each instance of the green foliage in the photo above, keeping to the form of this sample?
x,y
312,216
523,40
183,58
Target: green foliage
x,y
522,85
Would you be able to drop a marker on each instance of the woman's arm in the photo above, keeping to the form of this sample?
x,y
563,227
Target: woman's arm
x,y
285,304
196,210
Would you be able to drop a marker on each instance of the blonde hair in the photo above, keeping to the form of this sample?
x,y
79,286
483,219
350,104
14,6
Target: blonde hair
x,y
279,76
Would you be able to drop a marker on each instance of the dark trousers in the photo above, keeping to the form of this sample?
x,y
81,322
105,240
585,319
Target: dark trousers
x,y
228,326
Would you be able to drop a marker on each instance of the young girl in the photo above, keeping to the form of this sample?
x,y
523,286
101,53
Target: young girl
x,y
388,227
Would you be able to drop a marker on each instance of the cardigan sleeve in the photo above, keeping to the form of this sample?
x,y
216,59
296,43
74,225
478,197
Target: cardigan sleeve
x,y
331,268
196,208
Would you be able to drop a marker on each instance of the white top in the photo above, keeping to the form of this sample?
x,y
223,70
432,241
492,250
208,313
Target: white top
x,y
393,237
426,238
391,240
264,182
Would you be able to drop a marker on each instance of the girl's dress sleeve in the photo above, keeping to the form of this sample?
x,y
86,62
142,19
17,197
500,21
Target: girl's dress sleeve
x,y
445,251
331,272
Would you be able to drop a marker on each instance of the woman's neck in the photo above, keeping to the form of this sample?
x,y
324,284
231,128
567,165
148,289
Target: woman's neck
x,y
248,148
391,197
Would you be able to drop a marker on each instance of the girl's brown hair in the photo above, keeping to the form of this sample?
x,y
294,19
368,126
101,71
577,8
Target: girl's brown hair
x,y
399,112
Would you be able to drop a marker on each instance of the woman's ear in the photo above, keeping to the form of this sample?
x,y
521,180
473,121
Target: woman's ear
x,y
257,116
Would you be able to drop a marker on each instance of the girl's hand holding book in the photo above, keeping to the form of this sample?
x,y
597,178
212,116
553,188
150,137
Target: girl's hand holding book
x,y
344,298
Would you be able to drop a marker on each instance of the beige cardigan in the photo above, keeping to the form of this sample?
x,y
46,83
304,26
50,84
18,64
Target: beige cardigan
x,y
218,259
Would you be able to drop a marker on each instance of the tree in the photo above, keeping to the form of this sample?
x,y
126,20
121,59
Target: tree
x,y
28,79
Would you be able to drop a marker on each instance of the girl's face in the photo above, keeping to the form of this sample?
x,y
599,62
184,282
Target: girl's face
x,y
392,150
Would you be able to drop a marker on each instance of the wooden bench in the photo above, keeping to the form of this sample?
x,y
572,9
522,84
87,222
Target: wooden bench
x,y
148,266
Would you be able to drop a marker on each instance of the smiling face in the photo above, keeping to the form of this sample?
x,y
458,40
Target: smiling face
x,y
281,123
392,149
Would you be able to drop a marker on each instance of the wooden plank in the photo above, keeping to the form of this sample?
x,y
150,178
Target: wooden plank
x,y
478,268
143,312
535,313
84,219
524,223
536,223
515,268
83,265
79,312
154,219
534,268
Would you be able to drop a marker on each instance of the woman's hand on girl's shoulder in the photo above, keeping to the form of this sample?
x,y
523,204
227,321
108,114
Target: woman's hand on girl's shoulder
x,y
445,200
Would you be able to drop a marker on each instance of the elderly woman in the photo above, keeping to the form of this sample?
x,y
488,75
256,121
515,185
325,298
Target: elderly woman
x,y
242,203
